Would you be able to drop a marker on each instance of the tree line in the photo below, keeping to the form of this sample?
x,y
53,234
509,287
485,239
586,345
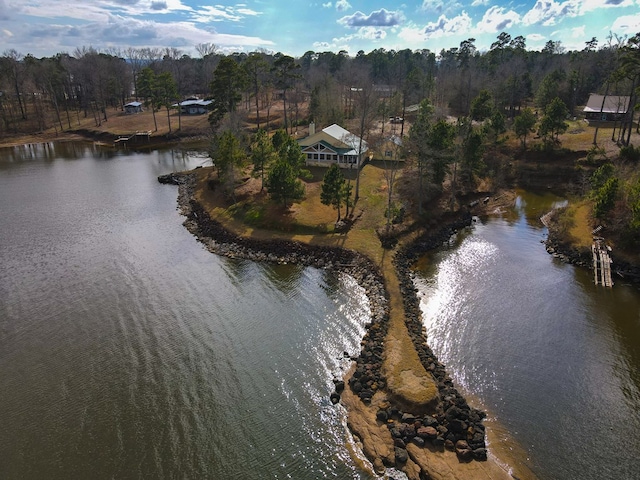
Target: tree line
x,y
507,86
50,91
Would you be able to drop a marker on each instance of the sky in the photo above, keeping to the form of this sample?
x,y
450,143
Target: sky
x,y
46,27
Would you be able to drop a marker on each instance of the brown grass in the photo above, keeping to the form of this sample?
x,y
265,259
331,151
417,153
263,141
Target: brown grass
x,y
581,230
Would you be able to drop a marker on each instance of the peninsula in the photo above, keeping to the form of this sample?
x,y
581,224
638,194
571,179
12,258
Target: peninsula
x,y
403,409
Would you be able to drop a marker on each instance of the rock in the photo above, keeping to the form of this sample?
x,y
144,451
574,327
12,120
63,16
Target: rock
x,y
398,442
480,454
428,433
463,451
378,466
429,421
382,416
335,398
408,431
418,441
449,445
401,456
477,440
339,385
462,444
408,418
457,426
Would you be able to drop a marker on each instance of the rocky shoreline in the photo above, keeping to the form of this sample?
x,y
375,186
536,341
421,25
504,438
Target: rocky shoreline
x,y
451,424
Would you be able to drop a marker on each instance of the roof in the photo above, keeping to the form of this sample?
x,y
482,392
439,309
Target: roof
x,y
134,104
612,104
347,138
194,102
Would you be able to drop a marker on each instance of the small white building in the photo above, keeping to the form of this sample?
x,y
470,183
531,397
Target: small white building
x,y
333,144
133,107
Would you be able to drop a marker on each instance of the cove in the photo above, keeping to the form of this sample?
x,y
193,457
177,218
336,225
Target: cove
x,y
552,357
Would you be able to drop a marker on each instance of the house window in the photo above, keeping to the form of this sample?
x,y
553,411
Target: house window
x,y
315,156
388,153
322,156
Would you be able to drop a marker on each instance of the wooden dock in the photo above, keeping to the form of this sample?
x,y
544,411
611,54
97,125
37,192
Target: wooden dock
x,y
136,137
601,263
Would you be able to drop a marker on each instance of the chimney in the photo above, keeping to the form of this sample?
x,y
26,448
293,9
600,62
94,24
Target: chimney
x,y
312,128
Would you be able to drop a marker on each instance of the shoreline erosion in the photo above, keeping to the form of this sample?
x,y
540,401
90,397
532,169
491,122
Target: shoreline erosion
x,y
443,438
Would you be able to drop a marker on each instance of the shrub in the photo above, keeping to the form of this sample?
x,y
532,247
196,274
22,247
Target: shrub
x,y
630,154
605,197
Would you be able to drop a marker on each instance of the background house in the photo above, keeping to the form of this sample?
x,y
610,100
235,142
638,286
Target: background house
x,y
194,106
333,144
133,107
390,149
606,108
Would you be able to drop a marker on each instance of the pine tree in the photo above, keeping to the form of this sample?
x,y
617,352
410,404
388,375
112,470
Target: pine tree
x,y
283,184
333,190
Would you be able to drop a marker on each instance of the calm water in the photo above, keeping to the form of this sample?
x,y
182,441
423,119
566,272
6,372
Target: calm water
x,y
555,359
128,351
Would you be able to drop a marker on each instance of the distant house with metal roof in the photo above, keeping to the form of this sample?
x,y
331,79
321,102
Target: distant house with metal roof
x,y
194,106
133,107
606,108
333,144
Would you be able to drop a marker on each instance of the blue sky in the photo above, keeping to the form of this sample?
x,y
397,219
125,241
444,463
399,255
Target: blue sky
x,y
46,27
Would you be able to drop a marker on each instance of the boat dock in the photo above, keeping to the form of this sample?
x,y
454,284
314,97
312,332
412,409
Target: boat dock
x,y
137,137
601,263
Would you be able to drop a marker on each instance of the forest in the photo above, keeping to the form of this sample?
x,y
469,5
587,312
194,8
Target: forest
x,y
463,104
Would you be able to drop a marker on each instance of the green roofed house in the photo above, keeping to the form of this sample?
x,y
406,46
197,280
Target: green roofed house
x,y
332,145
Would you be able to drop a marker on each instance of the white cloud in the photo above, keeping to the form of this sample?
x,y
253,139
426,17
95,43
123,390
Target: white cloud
x,y
412,34
97,10
220,13
433,5
6,33
445,26
590,5
327,5
343,5
548,12
536,37
578,32
497,19
379,18
480,3
122,32
321,46
372,33
626,25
